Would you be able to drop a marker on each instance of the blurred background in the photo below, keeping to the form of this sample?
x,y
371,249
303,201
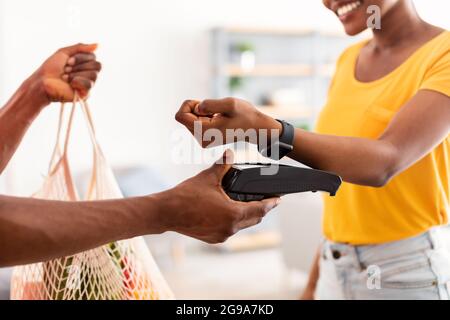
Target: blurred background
x,y
278,54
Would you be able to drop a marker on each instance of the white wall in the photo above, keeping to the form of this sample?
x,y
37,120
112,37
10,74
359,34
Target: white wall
x,y
155,55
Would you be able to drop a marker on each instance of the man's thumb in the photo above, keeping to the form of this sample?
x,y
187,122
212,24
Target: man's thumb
x,y
79,48
221,167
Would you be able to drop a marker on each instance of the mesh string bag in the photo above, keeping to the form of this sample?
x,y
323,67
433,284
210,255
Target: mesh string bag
x,y
122,270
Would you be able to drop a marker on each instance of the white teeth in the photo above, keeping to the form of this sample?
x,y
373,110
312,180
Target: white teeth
x,y
348,8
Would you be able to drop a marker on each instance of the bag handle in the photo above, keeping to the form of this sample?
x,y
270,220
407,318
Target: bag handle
x,y
98,156
57,154
60,157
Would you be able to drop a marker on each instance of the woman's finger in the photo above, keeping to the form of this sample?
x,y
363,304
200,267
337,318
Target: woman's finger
x,y
189,106
80,58
210,107
186,114
87,66
91,75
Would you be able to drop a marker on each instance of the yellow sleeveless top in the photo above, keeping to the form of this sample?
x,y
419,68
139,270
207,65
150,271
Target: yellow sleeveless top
x,y
418,198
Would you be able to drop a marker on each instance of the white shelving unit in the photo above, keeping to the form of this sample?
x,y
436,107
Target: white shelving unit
x,y
269,66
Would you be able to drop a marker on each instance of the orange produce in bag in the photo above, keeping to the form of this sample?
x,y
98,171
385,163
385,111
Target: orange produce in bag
x,y
122,270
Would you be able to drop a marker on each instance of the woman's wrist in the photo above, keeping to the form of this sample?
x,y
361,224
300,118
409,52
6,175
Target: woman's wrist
x,y
269,124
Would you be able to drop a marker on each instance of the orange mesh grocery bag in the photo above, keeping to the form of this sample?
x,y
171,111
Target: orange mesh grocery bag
x,y
122,270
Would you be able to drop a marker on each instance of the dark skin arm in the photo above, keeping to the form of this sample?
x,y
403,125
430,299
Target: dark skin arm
x,y
68,69
33,230
400,146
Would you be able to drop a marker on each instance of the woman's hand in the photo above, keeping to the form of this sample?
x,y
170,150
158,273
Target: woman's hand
x,y
308,294
69,69
200,208
309,291
223,114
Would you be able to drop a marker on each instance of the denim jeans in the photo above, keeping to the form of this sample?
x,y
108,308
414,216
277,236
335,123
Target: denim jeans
x,y
409,269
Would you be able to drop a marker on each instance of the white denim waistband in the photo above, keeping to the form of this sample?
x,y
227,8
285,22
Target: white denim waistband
x,y
437,238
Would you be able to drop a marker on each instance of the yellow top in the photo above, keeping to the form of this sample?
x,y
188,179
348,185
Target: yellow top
x,y
419,197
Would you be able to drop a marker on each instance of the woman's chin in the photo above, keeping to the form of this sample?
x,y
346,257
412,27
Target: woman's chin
x,y
353,30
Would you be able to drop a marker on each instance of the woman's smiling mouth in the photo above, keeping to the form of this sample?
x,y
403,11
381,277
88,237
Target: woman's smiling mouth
x,y
344,11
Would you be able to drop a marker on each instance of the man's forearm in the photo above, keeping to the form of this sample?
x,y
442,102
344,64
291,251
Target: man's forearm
x,y
16,117
33,230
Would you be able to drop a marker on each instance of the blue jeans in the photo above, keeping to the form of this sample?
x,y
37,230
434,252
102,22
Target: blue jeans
x,y
409,269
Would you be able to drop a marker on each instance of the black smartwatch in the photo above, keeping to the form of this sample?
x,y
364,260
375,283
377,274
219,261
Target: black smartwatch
x,y
284,144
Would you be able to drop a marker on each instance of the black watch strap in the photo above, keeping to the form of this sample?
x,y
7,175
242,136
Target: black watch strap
x,y
283,146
